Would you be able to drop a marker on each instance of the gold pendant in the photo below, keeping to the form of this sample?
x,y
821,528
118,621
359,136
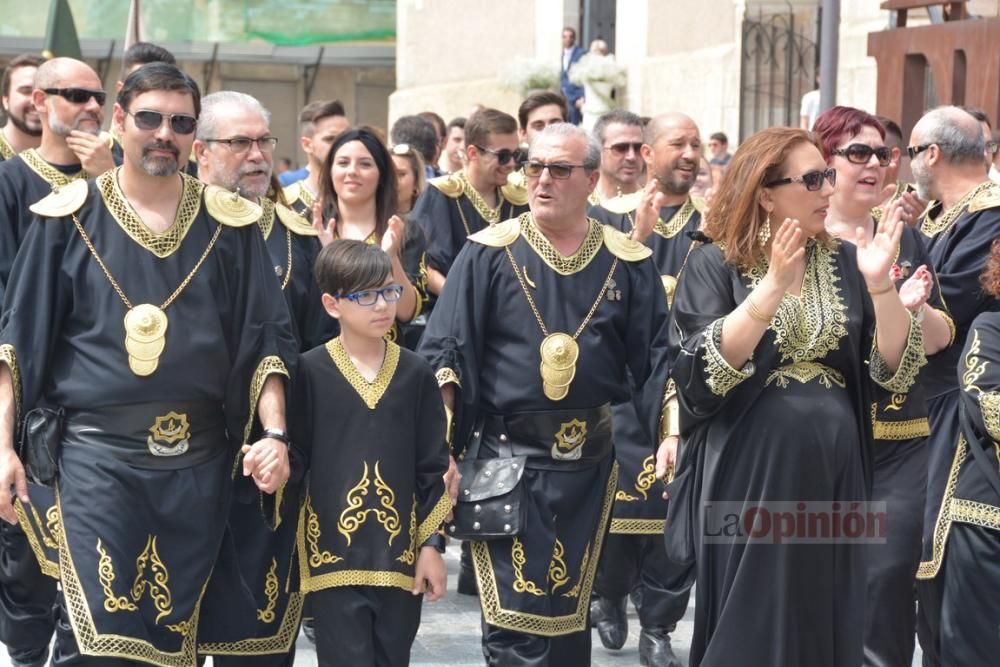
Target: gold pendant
x,y
145,337
559,353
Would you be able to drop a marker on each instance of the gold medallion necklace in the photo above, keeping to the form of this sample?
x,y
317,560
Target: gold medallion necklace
x,y
559,351
145,324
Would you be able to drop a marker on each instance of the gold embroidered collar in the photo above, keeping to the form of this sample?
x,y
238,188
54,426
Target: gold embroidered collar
x,y
557,262
490,215
944,221
810,325
678,220
6,150
161,245
47,172
370,392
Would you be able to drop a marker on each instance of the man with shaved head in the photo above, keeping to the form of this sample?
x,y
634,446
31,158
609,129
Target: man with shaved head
x,y
634,559
68,99
23,129
946,157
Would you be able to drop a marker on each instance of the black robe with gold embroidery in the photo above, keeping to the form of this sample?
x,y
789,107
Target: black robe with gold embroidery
x,y
792,425
639,504
377,455
484,338
451,210
144,468
24,179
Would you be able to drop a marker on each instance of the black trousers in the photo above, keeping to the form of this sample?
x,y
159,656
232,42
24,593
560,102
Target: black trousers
x,y
930,594
512,648
638,565
900,480
365,625
27,597
970,609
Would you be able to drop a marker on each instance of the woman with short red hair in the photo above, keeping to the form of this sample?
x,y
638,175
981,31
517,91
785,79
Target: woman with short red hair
x,y
773,355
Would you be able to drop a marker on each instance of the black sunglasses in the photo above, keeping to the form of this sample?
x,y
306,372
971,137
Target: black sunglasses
x,y
180,123
623,148
504,155
78,95
861,154
534,169
813,180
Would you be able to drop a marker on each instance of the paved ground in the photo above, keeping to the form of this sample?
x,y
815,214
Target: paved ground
x,y
449,634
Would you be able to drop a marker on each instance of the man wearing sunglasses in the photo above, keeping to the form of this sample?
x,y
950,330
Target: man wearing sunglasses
x,y
530,340
634,559
466,202
620,134
142,313
946,158
235,151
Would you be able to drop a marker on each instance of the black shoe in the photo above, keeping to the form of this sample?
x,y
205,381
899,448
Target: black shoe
x,y
309,630
609,616
38,660
655,650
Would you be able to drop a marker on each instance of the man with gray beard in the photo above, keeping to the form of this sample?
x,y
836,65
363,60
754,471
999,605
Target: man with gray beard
x,y
67,97
235,150
946,157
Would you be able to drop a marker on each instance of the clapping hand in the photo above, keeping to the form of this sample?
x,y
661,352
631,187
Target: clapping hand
x,y
327,231
876,255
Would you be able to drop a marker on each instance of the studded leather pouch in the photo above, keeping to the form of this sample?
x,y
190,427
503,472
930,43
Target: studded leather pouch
x,y
490,496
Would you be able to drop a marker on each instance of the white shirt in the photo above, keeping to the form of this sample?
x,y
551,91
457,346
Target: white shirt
x,y
994,173
567,54
810,106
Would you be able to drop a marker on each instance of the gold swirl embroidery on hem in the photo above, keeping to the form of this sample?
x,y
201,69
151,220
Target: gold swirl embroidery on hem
x,y
562,264
353,516
809,326
806,371
106,576
575,591
558,575
974,367
370,392
518,561
162,245
266,615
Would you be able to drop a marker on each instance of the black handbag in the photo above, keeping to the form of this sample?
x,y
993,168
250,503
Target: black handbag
x,y
490,496
41,434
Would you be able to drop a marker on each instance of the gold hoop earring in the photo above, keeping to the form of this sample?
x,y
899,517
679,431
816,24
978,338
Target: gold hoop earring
x,y
764,235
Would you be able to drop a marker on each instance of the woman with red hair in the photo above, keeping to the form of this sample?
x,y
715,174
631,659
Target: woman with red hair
x,y
773,355
853,143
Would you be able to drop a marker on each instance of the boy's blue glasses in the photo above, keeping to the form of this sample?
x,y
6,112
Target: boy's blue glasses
x,y
369,297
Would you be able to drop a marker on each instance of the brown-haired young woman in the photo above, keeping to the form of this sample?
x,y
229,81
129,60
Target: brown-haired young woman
x,y
770,348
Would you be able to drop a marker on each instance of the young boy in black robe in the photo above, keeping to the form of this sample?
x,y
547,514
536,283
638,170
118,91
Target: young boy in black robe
x,y
372,425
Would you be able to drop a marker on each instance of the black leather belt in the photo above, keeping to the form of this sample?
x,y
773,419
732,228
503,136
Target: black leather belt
x,y
551,439
165,436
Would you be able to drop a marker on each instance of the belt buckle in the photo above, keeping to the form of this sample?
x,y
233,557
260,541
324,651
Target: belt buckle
x,y
569,440
169,435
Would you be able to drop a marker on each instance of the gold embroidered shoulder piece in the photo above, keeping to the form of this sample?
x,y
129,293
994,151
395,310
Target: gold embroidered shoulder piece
x,y
230,208
989,197
294,222
450,185
370,392
499,235
63,201
622,204
298,192
514,192
623,247
161,245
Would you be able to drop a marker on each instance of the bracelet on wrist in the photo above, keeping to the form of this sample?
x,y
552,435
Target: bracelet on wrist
x,y
755,312
276,434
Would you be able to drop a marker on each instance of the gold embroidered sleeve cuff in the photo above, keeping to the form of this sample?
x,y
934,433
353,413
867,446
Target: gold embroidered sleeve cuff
x,y
989,403
267,366
720,377
433,522
910,363
446,375
9,357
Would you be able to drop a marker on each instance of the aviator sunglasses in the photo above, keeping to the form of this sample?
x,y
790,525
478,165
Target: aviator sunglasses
x,y
813,180
504,155
180,123
861,154
78,95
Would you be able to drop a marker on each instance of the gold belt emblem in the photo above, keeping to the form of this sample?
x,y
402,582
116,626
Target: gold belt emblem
x,y
169,435
568,445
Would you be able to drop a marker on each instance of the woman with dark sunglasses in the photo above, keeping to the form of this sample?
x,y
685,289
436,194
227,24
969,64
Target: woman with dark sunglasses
x,y
358,199
854,144
773,355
